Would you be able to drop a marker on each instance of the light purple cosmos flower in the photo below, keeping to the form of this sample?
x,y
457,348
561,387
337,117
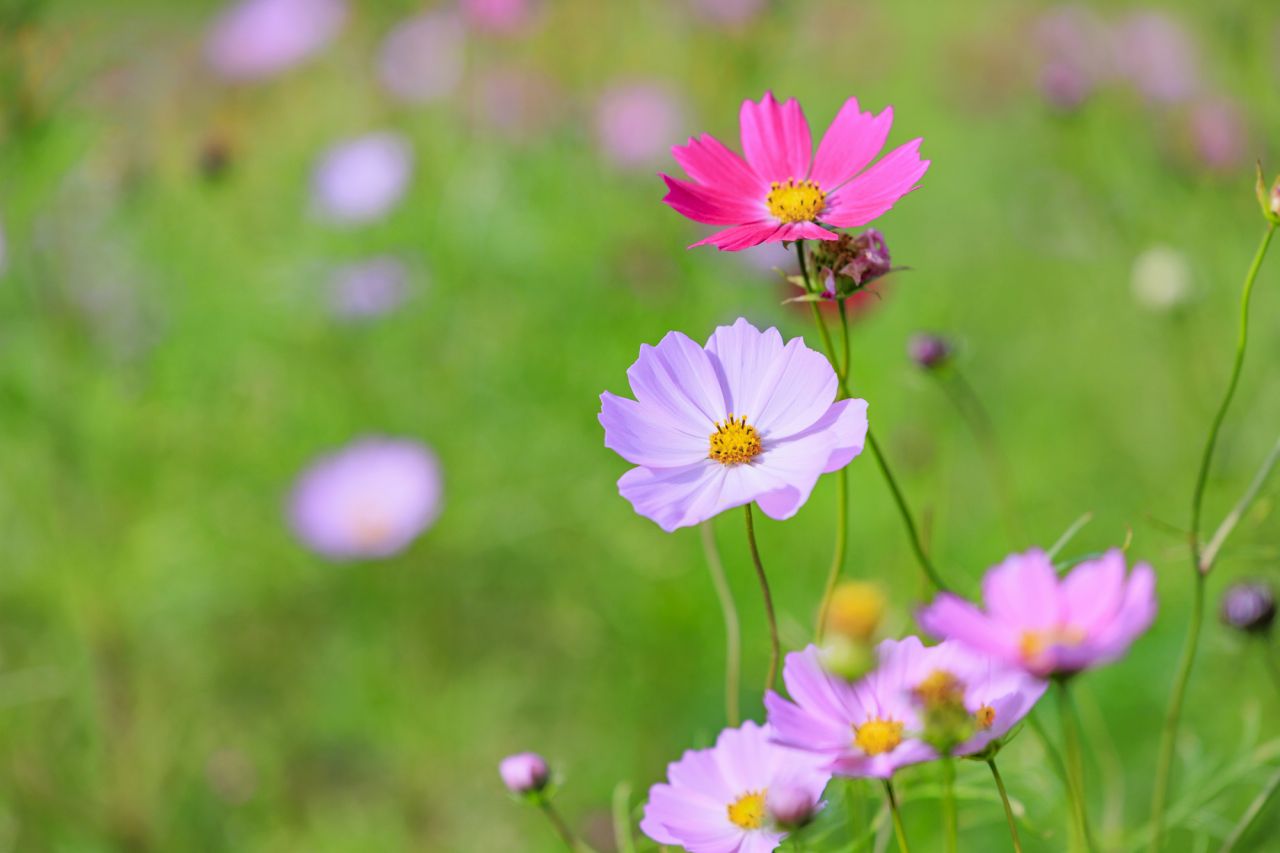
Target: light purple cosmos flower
x,y
1158,56
636,122
370,499
363,178
715,798
421,59
259,38
1046,625
875,725
524,772
369,288
747,418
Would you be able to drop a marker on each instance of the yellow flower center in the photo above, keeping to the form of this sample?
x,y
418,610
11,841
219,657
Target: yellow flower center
x,y
875,737
747,811
940,689
986,717
1035,643
795,201
734,441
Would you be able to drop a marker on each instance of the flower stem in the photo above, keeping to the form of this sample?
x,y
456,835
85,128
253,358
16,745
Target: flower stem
x,y
913,533
732,628
1075,769
898,829
1008,809
1164,761
949,803
842,544
768,601
1251,814
562,828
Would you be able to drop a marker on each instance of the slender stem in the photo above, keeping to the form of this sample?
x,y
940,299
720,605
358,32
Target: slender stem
x,y
949,803
1269,660
1069,534
844,341
1251,814
1232,518
1075,768
1046,743
898,828
974,414
768,602
842,543
913,533
854,804
732,628
562,828
623,841
1008,809
1164,761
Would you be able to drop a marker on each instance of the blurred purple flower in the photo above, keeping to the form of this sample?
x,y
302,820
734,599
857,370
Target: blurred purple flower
x,y
1073,43
369,288
422,58
728,13
254,39
505,17
367,500
524,772
929,351
636,124
1158,56
362,179
1219,135
517,102
1249,606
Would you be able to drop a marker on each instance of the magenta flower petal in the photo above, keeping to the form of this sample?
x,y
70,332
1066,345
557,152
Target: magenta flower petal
x,y
742,236
747,418
709,206
775,138
874,192
850,143
713,165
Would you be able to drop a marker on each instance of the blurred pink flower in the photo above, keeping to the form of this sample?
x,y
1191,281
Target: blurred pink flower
x,y
369,288
517,102
505,17
1073,44
421,59
1158,56
361,179
636,123
1219,134
782,191
728,13
369,499
524,772
254,39
1046,624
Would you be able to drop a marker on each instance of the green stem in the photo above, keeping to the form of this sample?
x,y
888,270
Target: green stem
x,y
974,414
842,543
768,602
913,533
949,804
898,828
561,828
1251,814
1008,809
623,841
854,804
1269,660
1075,769
1164,761
732,627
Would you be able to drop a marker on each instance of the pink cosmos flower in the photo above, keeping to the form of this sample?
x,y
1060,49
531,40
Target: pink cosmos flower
x,y
715,800
745,418
782,191
1046,625
254,39
634,122
421,59
1159,56
875,725
368,500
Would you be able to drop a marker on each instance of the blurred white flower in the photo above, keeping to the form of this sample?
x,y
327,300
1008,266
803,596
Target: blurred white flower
x,y
1161,278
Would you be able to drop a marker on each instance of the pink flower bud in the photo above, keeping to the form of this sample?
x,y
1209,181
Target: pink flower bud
x,y
929,351
524,772
791,806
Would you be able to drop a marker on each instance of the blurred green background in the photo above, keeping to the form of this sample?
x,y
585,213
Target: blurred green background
x,y
178,673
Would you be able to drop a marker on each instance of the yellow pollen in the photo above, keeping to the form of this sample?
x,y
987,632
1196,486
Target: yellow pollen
x,y
795,201
747,811
939,689
1035,643
875,737
734,441
986,717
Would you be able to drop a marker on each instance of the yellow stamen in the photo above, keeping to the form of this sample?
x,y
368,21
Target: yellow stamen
x,y
734,441
1035,643
795,201
748,810
875,737
940,689
986,717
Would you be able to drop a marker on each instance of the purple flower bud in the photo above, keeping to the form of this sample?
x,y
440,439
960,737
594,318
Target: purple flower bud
x,y
1249,606
524,772
929,351
850,263
791,806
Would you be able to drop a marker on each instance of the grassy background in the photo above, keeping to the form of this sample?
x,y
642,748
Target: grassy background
x,y
176,673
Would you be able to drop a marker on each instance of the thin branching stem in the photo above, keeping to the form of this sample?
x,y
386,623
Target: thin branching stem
x,y
774,646
732,627
1008,808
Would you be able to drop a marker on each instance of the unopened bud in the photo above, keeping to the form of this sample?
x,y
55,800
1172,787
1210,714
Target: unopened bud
x,y
850,263
524,773
855,610
1249,606
849,659
929,351
1268,200
790,806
